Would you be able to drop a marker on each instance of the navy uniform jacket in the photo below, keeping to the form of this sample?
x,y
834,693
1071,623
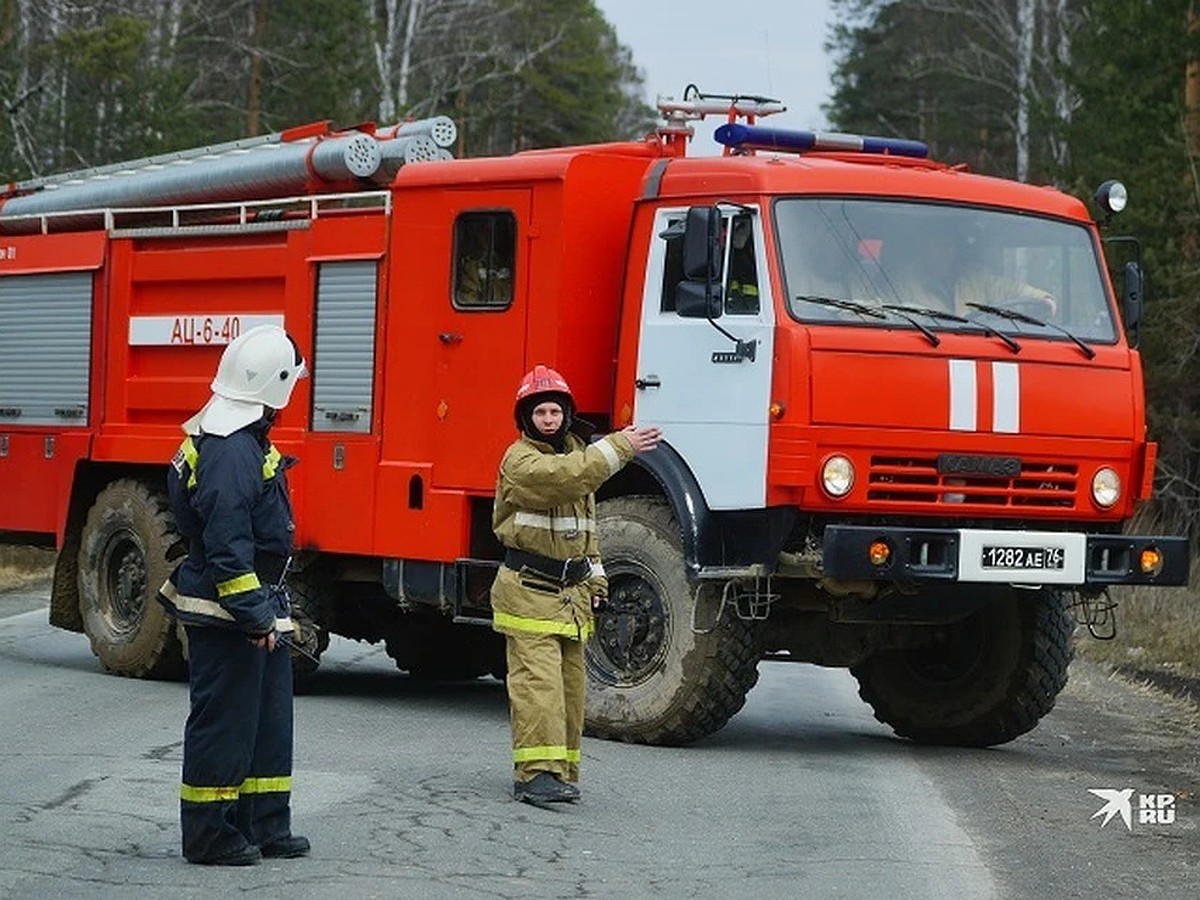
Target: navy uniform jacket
x,y
230,500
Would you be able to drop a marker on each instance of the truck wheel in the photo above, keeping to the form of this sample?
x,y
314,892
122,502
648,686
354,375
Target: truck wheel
x,y
651,678
122,562
311,596
989,678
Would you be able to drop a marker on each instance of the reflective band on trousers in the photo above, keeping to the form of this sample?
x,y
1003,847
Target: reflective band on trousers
x,y
533,754
542,626
278,784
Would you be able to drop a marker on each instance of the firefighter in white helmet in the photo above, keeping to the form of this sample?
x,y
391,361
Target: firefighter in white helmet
x,y
552,579
230,500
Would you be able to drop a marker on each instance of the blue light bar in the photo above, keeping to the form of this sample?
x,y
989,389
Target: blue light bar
x,y
755,137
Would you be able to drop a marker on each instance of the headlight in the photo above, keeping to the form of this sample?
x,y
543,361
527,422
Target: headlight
x,y
837,476
1112,197
1106,487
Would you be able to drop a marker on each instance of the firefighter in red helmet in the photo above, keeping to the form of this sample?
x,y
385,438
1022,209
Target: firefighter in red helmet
x,y
552,580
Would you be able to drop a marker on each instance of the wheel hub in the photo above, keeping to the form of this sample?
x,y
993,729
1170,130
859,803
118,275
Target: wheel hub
x,y
126,581
953,655
631,633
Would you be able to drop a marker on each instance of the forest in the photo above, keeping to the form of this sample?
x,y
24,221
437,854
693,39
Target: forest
x,y
86,82
1062,92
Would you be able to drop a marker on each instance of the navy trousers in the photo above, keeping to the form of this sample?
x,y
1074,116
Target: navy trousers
x,y
237,745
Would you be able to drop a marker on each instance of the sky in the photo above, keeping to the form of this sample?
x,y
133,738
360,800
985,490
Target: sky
x,y
771,48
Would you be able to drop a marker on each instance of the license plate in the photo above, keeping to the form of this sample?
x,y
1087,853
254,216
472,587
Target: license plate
x,y
1021,557
1026,558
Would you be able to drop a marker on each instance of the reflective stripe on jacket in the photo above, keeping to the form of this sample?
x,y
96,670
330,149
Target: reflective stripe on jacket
x,y
545,504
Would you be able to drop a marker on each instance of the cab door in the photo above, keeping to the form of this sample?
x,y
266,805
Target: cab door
x,y
481,335
710,401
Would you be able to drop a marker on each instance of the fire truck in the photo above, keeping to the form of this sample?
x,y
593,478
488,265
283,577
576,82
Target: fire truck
x,y
902,405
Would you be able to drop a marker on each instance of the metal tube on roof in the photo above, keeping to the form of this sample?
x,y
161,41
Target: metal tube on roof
x,y
259,172
441,129
399,151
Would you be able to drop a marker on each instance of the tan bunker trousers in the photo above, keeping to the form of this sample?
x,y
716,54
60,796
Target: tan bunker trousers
x,y
546,696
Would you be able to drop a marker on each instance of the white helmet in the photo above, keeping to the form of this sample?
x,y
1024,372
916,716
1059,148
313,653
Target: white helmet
x,y
258,369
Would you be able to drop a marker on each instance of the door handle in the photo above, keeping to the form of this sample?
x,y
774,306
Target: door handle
x,y
450,337
650,381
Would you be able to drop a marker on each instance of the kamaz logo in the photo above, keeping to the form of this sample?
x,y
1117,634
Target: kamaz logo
x,y
980,466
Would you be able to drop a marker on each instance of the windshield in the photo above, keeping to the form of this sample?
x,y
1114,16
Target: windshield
x,y
940,265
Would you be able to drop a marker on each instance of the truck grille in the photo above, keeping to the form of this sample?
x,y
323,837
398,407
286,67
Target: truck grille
x,y
901,479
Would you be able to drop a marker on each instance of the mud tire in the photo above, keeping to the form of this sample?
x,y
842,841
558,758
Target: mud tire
x,y
990,679
123,560
312,598
651,678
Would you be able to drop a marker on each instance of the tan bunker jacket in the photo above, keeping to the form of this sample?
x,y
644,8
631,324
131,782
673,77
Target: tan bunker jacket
x,y
545,505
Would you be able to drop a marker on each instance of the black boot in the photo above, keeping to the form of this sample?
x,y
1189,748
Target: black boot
x,y
286,847
243,856
544,787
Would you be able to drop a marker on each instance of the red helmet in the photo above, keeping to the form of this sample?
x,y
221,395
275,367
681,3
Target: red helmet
x,y
543,380
541,385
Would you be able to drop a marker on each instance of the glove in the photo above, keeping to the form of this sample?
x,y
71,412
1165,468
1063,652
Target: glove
x,y
599,604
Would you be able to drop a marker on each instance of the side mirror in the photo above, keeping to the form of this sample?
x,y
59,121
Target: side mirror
x,y
702,244
1131,306
698,300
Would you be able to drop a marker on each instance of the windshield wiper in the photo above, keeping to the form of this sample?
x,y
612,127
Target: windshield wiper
x,y
943,316
873,311
1015,316
903,312
849,305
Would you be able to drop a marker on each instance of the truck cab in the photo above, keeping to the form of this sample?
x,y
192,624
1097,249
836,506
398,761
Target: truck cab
x,y
908,449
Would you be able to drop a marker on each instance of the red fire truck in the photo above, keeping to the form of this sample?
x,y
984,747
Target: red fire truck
x,y
902,405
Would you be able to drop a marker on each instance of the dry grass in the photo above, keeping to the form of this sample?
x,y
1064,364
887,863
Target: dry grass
x,y
1158,629
20,566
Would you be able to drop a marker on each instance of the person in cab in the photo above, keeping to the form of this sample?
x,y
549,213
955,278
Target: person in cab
x,y
937,271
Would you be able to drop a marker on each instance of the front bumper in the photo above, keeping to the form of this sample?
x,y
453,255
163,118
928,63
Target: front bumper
x,y
996,556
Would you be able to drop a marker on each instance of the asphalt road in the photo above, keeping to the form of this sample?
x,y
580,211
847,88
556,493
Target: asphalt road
x,y
404,790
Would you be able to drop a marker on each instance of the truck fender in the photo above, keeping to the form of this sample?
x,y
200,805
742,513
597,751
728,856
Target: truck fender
x,y
665,472
722,539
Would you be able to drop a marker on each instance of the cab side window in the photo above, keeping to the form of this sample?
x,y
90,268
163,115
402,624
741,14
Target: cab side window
x,y
741,297
485,250
740,287
672,264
